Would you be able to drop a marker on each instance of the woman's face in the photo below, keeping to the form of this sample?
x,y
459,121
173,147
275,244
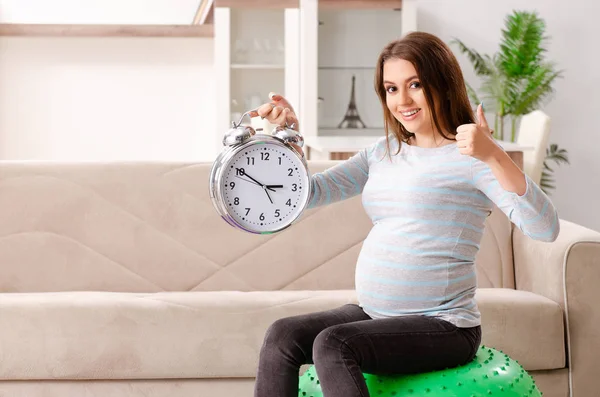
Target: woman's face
x,y
405,97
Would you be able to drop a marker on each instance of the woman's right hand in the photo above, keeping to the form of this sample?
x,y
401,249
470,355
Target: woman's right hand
x,y
279,112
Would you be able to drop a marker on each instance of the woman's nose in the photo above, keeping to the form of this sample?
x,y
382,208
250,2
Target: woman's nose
x,y
404,98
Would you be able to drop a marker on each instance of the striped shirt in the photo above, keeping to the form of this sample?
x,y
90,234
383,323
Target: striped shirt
x,y
428,207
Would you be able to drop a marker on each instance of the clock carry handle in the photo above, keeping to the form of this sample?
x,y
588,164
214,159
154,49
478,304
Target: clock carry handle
x,y
286,133
249,113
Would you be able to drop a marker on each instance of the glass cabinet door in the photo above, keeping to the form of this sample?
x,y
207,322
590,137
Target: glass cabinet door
x,y
256,51
350,40
348,37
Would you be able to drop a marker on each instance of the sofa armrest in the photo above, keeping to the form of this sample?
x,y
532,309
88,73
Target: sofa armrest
x,y
567,271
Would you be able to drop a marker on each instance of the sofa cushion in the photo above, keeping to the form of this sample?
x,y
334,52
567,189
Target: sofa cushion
x,y
526,326
103,335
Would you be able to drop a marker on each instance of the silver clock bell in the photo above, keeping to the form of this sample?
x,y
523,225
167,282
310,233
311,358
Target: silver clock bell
x,y
239,133
288,135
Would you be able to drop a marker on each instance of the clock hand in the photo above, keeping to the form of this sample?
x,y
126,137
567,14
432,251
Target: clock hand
x,y
245,174
268,195
254,183
270,187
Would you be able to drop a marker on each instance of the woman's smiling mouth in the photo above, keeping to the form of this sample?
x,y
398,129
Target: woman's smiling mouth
x,y
410,114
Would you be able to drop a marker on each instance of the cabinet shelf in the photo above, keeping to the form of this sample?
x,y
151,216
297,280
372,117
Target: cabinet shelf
x,y
257,66
67,30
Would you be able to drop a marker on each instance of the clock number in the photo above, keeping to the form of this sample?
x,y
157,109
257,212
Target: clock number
x,y
279,160
247,211
289,202
240,171
294,187
236,201
264,156
232,185
290,171
250,160
277,214
262,216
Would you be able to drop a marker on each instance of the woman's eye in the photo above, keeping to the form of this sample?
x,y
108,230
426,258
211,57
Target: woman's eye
x,y
390,89
415,84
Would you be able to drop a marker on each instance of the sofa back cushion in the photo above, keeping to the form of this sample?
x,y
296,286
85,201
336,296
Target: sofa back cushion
x,y
151,226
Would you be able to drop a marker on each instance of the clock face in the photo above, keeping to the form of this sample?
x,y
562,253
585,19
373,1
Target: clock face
x,y
264,187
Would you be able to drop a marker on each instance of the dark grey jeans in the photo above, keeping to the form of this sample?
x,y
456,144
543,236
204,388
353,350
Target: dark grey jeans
x,y
345,342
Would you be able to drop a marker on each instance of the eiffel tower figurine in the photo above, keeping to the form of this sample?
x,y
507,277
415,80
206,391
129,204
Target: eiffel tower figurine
x,y
352,119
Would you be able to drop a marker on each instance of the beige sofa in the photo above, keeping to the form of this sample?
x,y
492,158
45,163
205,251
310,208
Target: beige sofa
x,y
120,279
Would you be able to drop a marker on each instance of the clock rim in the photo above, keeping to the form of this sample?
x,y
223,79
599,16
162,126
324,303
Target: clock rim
x,y
220,164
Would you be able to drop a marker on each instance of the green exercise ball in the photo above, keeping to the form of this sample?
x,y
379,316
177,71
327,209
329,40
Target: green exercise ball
x,y
491,373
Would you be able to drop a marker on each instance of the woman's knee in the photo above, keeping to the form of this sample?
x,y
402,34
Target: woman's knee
x,y
286,336
331,343
279,331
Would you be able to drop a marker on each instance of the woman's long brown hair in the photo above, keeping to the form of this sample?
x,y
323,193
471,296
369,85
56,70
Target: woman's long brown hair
x,y
441,78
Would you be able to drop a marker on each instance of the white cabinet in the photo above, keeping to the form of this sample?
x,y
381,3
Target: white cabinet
x,y
308,51
256,51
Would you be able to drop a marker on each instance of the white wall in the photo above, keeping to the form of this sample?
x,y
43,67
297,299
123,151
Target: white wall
x,y
105,98
573,28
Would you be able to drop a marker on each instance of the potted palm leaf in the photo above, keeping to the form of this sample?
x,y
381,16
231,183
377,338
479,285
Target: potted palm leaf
x,y
516,80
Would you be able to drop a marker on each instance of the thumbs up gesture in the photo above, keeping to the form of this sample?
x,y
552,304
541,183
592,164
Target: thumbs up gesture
x,y
476,140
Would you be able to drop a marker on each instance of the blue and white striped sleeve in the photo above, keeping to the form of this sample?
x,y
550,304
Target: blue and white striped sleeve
x,y
533,212
342,181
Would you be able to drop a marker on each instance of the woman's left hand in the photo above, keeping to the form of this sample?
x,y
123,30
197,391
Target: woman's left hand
x,y
476,140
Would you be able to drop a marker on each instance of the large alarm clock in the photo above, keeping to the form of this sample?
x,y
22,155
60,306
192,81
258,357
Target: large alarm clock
x,y
260,183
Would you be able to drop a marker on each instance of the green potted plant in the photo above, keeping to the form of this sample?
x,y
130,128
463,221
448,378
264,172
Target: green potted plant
x,y
516,80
